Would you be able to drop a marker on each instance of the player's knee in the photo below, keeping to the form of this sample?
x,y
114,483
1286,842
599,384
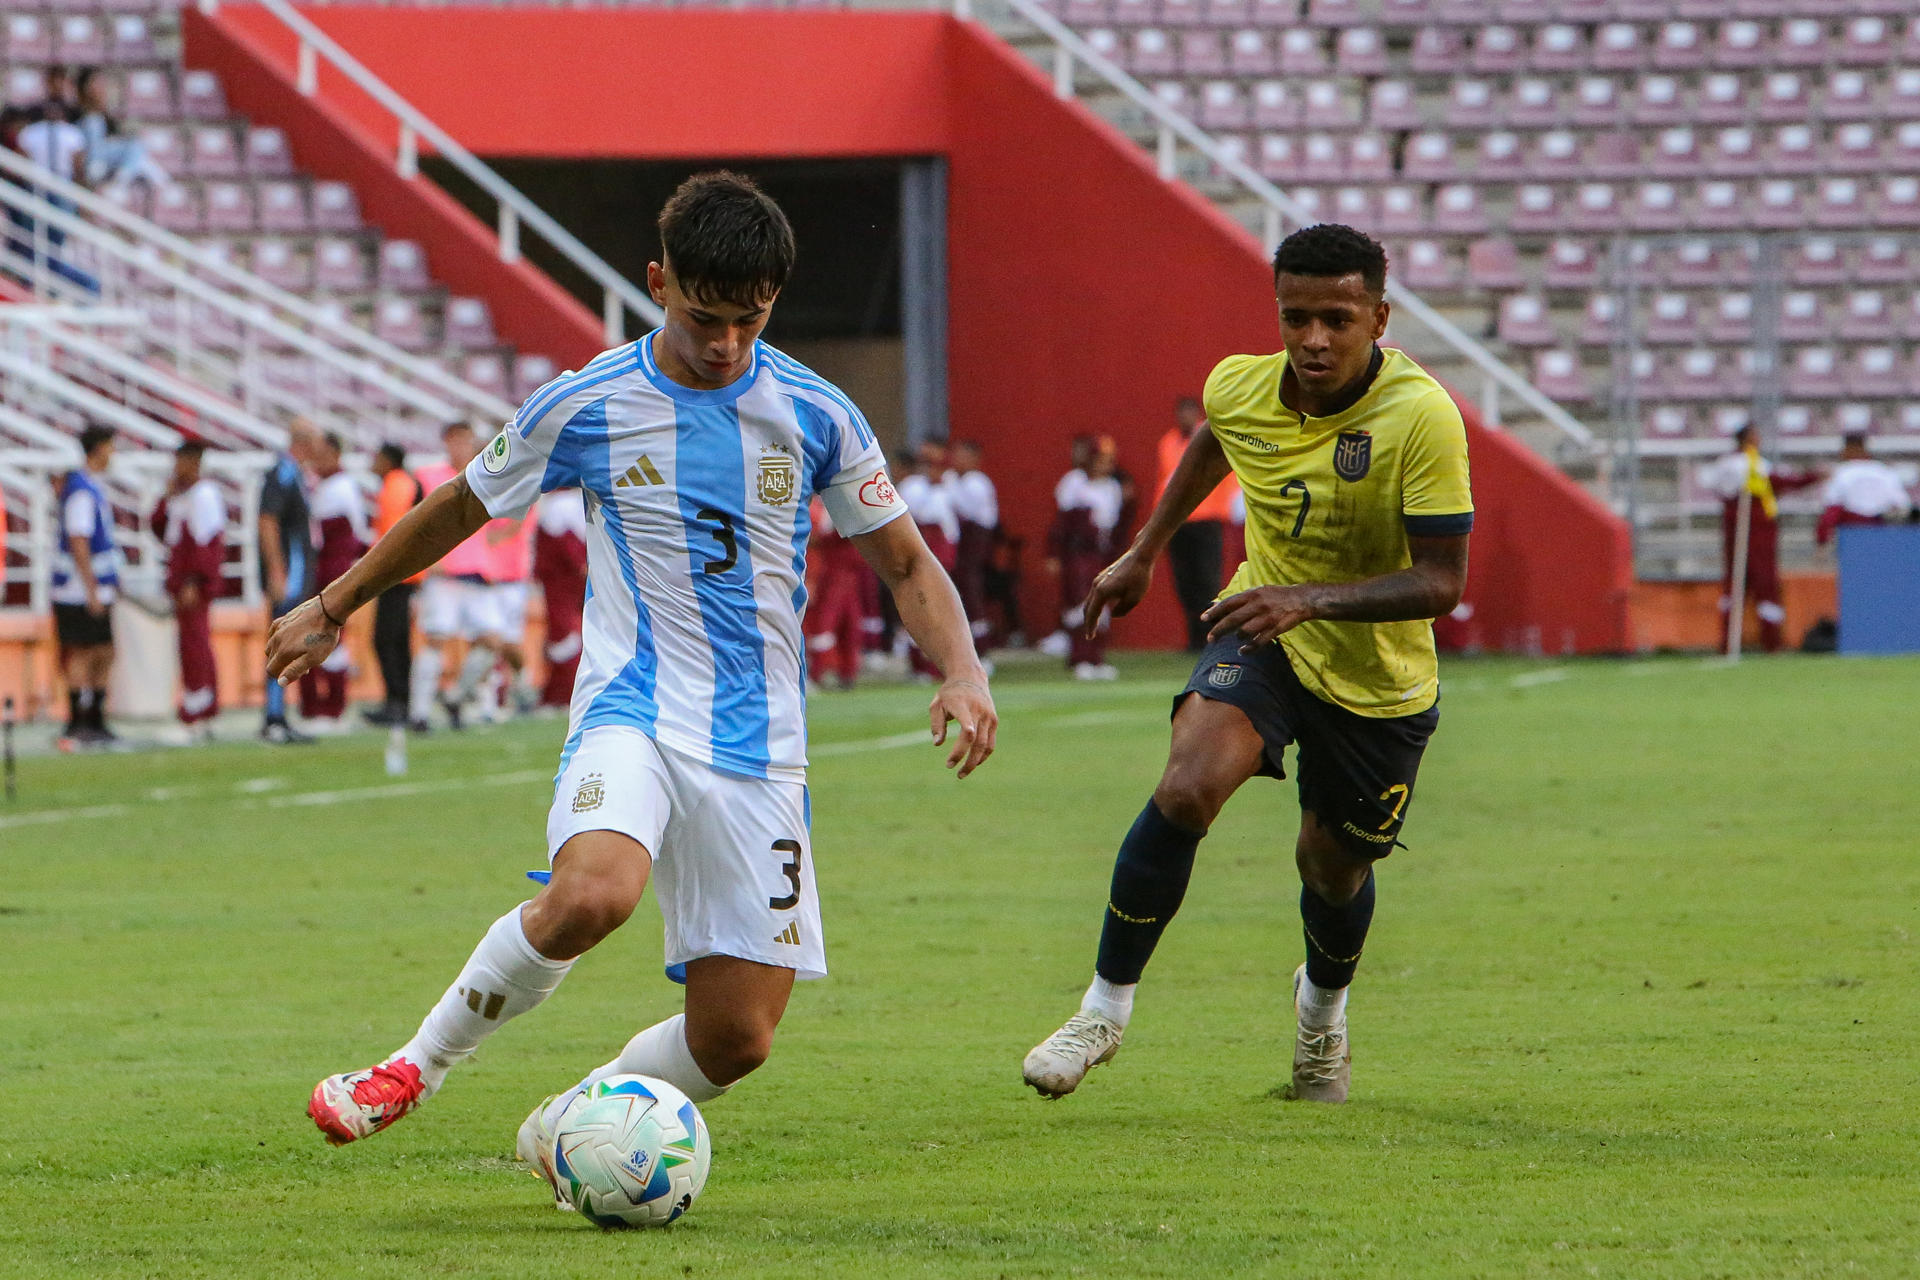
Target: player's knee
x,y
1189,798
730,1048
1330,871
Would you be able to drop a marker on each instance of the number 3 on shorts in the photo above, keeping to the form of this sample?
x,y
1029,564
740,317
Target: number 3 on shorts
x,y
792,870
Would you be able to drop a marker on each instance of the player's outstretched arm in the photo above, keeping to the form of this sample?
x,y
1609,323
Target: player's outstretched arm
x,y
931,610
1123,584
301,641
1427,588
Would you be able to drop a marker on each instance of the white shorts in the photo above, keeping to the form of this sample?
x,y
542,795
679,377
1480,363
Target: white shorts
x,y
509,610
732,856
453,608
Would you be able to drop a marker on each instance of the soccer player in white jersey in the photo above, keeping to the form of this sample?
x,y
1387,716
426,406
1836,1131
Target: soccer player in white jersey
x,y
697,449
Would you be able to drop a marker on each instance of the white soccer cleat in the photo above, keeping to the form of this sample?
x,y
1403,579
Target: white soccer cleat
x,y
535,1145
1058,1064
1322,1059
358,1104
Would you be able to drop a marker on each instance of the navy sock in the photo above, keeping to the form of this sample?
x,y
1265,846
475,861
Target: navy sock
x,y
97,716
1335,935
1149,880
76,713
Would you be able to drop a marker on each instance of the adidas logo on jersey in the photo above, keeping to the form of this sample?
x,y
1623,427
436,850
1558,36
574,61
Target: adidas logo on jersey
x,y
642,472
790,935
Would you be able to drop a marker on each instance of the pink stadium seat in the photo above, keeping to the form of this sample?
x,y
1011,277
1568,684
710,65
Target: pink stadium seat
x,y
25,86
1680,46
1175,95
1718,206
283,207
1903,94
1803,317
1457,210
1856,148
134,200
1173,13
1525,13
1658,99
1500,158
1909,49
1085,13
1643,10
1690,263
1556,154
1311,203
1794,419
1735,152
1584,11
1696,374
1498,50
1842,203
267,154
1671,321
1466,12
1851,419
1899,204
339,266
1402,211
1885,260
1904,156
1470,103
1321,159
1794,148
1617,46
1908,318
1391,104
1273,14
1228,13
1151,53
1407,13
200,96
164,147
1866,316
1867,42
486,370
1223,105
468,324
148,96
1355,207
1275,105
212,152
1802,43
1657,207
1233,146
1302,53
1740,44
335,208
530,373
1437,51
1732,318
1334,13
1106,42
229,207
1570,264
1780,205
1369,158
399,320
1851,95
1669,422
177,208
132,39
1599,319
276,262
81,38
1534,102
1874,372
1815,374
1132,13
1596,102
1426,266
1816,260
1429,157
1536,208
1676,153
1278,157
403,266
1722,99
1558,374
1359,51
1493,265
1201,53
1524,322
1325,105
1612,155
1783,96
29,38
1595,208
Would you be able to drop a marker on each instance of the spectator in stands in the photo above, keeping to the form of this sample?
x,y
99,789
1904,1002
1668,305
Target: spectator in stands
x,y
286,554
1195,552
341,536
191,522
113,160
976,507
1744,471
1087,527
560,567
1861,490
86,579
400,493
12,120
58,93
56,144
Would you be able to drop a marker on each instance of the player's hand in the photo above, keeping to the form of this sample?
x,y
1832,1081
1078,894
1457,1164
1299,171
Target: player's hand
x,y
299,642
1119,587
1261,615
94,607
966,702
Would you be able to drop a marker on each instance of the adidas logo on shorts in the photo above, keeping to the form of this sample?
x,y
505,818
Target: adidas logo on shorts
x,y
790,936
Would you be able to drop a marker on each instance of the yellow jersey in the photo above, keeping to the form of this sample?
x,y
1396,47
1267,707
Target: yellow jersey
x,y
1333,500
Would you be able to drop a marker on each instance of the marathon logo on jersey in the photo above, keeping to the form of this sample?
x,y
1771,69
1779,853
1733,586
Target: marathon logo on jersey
x,y
592,791
878,492
1224,675
494,460
1352,455
774,484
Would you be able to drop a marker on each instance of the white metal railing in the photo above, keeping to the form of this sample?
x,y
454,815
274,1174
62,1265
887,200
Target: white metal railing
x,y
1172,129
618,294
223,326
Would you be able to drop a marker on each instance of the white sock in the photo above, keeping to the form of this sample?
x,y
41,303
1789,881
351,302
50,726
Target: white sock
x,y
475,667
1321,1007
503,978
424,683
1111,1000
661,1052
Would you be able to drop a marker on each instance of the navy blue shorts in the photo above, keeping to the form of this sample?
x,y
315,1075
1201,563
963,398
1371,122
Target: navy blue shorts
x,y
1356,773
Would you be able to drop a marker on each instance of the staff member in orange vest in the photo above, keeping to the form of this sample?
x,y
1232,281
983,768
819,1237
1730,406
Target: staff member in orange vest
x,y
393,611
1195,550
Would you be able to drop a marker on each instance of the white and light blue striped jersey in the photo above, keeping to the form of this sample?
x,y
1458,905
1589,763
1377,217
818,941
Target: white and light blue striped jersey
x,y
697,540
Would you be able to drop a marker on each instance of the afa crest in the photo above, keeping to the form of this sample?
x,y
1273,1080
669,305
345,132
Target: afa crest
x,y
774,484
590,795
1352,455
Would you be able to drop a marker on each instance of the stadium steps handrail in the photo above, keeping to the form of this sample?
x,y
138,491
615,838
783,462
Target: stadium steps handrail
x,y
345,345
1173,128
176,341
618,294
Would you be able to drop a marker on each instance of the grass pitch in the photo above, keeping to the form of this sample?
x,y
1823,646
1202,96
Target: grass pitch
x,y
1638,1002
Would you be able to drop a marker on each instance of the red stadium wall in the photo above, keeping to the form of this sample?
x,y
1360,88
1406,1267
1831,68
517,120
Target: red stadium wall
x,y
1084,293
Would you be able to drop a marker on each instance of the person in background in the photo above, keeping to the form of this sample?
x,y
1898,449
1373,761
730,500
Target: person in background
x,y
86,579
560,567
504,643
931,507
1861,490
1066,493
191,522
1727,477
285,535
454,602
393,611
834,618
341,536
113,160
1195,552
976,505
58,93
1087,526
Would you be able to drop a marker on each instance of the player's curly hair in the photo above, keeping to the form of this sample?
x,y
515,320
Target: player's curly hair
x,y
726,240
1333,249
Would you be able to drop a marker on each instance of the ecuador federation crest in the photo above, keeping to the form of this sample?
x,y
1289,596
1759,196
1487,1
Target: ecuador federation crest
x,y
774,482
1352,455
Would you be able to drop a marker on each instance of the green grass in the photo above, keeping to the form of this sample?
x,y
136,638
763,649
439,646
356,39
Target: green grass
x,y
1638,1002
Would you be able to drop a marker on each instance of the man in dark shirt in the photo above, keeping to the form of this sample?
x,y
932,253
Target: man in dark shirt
x,y
286,553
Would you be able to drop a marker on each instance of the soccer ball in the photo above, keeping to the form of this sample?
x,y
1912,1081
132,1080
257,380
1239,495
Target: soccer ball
x,y
631,1151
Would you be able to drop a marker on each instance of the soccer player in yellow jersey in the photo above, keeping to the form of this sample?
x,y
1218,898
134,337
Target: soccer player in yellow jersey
x,y
1354,465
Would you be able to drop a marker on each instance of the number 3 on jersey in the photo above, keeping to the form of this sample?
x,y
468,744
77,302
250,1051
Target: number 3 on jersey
x,y
724,535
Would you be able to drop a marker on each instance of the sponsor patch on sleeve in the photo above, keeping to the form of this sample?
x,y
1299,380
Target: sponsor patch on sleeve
x,y
494,460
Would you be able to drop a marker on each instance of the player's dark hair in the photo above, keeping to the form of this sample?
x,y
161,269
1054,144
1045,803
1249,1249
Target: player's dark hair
x,y
190,449
726,240
94,435
393,454
1332,249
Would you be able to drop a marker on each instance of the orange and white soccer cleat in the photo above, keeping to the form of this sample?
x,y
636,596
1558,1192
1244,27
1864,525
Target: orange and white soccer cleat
x,y
358,1104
